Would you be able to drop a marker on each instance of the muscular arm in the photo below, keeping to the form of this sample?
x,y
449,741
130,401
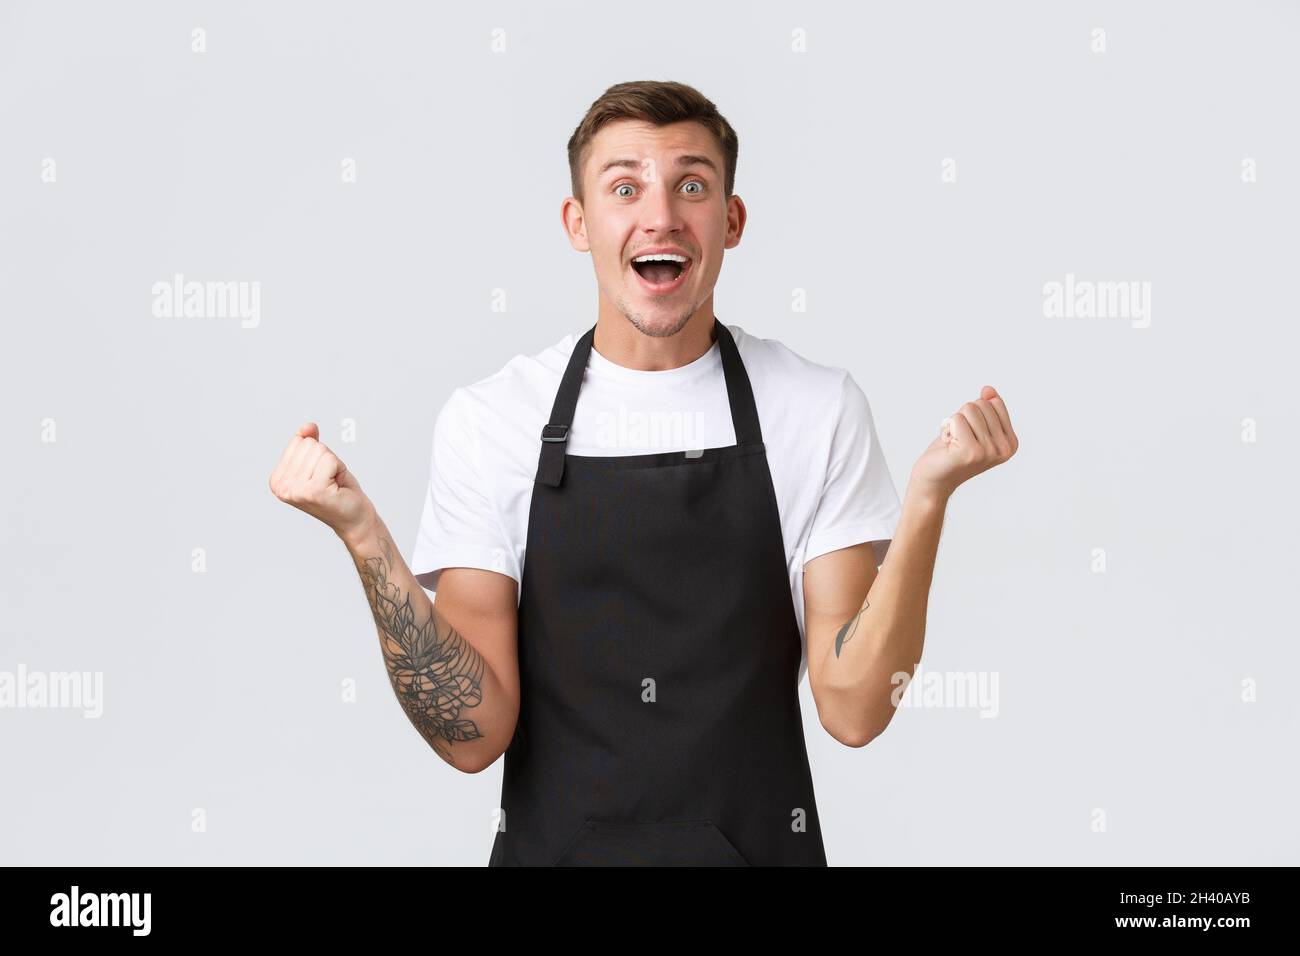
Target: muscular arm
x,y
864,627
445,684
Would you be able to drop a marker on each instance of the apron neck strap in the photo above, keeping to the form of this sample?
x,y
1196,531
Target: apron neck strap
x,y
555,434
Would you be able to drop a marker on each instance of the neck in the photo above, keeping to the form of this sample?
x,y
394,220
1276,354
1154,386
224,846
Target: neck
x,y
618,340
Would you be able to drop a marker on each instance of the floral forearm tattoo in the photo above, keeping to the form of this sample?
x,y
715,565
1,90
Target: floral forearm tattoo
x,y
435,675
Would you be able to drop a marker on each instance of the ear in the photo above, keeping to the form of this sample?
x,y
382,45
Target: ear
x,y
575,224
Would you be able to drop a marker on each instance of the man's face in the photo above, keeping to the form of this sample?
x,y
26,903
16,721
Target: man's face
x,y
651,189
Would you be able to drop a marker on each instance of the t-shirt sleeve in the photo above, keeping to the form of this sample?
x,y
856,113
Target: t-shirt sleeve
x,y
459,526
858,502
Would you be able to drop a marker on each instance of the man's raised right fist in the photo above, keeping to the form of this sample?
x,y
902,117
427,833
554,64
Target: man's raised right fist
x,y
312,478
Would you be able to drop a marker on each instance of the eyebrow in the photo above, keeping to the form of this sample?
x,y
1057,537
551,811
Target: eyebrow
x,y
682,161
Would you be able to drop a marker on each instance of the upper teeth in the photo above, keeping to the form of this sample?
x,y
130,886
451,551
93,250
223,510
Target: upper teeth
x,y
660,257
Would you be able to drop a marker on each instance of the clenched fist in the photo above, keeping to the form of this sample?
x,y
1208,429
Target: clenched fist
x,y
974,439
312,478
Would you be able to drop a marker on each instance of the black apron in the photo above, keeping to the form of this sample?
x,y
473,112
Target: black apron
x,y
659,653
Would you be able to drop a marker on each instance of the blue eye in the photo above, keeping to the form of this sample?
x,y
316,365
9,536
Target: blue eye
x,y
623,185
696,182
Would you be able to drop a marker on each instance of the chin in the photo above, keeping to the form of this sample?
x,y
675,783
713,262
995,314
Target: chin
x,y
655,320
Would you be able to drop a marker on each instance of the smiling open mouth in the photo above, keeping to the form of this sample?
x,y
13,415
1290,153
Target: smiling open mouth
x,y
660,275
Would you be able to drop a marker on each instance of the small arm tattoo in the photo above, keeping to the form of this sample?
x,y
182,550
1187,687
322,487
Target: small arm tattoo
x,y
848,630
436,676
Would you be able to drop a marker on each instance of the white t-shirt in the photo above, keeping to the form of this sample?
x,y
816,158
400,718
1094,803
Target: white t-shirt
x,y
833,488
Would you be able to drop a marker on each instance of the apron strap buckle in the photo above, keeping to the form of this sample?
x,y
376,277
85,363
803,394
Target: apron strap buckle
x,y
550,467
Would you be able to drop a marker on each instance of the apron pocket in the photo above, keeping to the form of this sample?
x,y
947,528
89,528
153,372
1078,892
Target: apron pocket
x,y
679,843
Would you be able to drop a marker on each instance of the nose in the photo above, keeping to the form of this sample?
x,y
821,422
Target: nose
x,y
660,212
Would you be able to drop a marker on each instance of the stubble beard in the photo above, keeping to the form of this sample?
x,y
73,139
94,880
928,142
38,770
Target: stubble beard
x,y
646,326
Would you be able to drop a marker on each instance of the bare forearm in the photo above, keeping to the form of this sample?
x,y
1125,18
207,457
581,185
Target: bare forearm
x,y
885,637
444,685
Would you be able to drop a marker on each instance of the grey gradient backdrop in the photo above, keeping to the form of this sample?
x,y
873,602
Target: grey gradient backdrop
x,y
1119,691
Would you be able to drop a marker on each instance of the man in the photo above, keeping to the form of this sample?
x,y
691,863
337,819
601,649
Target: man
x,y
628,617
